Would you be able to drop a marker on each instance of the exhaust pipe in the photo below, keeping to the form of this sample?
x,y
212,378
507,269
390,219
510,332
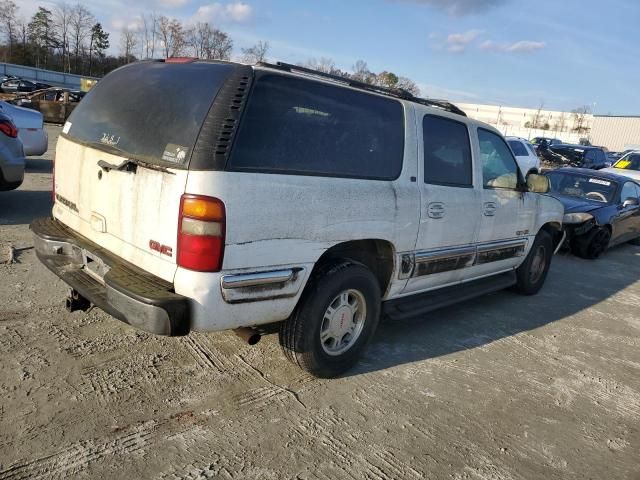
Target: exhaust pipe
x,y
249,335
75,302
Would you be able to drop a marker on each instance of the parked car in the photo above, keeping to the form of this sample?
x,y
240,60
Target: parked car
x,y
568,155
601,209
628,165
12,160
277,194
16,85
542,143
55,104
526,156
30,128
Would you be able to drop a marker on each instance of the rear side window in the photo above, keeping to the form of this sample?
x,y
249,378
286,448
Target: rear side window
x,y
152,111
447,152
298,126
518,148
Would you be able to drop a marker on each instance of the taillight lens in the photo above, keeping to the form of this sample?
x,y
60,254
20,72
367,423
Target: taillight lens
x,y
8,128
201,231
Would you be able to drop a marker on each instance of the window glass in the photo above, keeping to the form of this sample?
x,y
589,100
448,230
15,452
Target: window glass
x,y
628,190
298,126
518,148
630,162
499,168
586,187
146,110
447,152
530,147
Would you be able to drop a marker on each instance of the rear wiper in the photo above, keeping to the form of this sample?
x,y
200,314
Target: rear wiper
x,y
130,165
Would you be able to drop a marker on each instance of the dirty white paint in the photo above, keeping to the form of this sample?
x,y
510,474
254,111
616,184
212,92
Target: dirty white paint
x,y
285,221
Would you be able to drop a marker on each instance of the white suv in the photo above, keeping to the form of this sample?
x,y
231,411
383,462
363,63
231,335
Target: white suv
x,y
215,196
525,154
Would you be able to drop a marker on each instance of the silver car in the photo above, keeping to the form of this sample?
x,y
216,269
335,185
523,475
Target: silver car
x,y
12,160
30,127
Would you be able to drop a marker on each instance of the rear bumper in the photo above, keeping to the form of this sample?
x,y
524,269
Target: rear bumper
x,y
11,173
124,291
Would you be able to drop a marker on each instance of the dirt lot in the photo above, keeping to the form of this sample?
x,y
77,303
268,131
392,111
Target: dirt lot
x,y
499,388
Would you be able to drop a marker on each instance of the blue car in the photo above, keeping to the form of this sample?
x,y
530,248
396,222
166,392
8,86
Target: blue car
x,y
601,209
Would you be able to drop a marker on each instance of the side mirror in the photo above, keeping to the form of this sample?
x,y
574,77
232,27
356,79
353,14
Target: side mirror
x,y
537,183
631,202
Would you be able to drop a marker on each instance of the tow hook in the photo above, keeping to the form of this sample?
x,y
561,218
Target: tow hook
x,y
249,335
75,302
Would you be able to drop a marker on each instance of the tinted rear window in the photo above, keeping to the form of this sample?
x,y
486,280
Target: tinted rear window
x,y
518,148
152,111
298,126
447,152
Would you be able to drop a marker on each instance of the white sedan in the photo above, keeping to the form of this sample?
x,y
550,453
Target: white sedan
x,y
526,156
30,128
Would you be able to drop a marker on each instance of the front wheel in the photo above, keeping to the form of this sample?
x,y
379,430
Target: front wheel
x,y
592,245
533,271
334,320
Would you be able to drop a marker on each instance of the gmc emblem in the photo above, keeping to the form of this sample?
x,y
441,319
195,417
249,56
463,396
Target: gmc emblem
x,y
163,249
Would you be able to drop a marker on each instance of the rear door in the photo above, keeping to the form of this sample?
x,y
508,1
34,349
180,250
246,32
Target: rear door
x,y
139,113
450,209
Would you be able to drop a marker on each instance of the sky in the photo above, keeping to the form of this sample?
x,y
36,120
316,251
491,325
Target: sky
x,y
559,54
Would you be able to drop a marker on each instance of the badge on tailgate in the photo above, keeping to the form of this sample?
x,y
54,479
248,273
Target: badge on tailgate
x,y
163,249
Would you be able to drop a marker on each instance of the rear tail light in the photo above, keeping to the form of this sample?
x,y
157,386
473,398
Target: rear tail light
x,y
180,60
201,231
8,128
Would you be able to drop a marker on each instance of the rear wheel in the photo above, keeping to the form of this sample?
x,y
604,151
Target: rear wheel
x,y
533,271
592,245
334,320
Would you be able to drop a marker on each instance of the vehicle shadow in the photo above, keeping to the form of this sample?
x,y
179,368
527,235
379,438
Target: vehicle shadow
x,y
38,165
573,285
18,207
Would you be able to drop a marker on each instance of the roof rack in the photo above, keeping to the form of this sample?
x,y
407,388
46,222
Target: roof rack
x,y
392,92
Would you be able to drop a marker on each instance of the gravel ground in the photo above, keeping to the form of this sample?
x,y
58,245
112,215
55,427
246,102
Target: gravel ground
x,y
503,387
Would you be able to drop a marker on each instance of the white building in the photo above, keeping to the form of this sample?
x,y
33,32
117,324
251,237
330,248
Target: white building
x,y
532,122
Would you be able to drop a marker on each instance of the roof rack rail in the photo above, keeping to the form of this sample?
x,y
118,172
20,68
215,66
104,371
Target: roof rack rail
x,y
392,92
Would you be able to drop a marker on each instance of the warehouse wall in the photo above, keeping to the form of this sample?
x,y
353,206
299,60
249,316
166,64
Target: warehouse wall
x,y
616,133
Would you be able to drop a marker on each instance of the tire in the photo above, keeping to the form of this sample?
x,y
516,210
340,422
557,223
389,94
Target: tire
x,y
592,245
533,271
300,335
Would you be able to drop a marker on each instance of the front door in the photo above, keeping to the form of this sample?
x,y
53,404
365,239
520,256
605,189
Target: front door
x,y
626,224
507,214
450,208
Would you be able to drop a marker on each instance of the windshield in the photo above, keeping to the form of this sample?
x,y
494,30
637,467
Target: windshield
x,y
586,187
629,162
152,111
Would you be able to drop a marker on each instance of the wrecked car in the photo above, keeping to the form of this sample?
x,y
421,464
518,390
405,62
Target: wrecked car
x,y
601,209
55,104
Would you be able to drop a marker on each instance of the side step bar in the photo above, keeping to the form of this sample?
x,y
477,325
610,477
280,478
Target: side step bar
x,y
414,305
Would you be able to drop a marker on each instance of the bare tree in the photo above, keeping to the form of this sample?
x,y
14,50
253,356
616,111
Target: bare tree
x,y
220,47
408,85
362,73
61,22
149,31
210,43
580,118
323,64
172,36
9,23
80,22
128,42
255,54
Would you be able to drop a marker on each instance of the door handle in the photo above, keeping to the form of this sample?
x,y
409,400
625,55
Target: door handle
x,y
435,210
489,209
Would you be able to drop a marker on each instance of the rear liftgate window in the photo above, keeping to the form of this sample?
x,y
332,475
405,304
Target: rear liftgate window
x,y
303,127
151,111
